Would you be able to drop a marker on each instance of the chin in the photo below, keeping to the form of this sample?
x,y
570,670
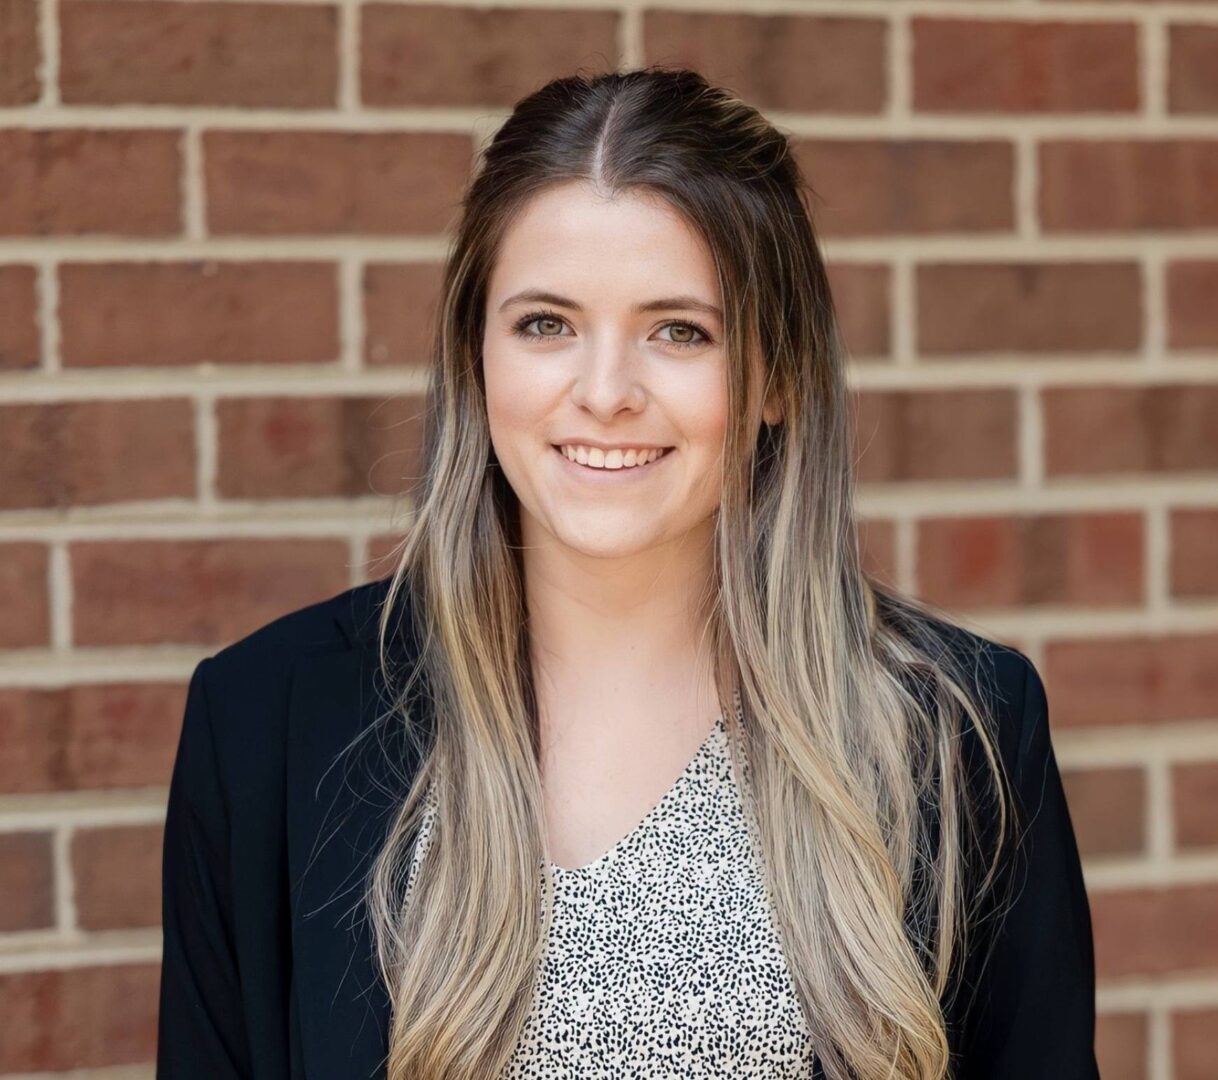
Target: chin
x,y
604,543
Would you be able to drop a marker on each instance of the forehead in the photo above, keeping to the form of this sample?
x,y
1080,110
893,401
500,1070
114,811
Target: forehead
x,y
599,249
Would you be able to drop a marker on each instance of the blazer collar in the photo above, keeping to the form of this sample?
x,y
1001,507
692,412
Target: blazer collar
x,y
339,808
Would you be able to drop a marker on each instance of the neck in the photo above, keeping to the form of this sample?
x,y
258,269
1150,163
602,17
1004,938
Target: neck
x,y
626,625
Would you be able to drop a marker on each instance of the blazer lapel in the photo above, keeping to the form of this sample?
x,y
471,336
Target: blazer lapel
x,y
339,808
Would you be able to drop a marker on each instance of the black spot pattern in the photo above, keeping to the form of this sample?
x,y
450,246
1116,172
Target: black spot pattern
x,y
663,958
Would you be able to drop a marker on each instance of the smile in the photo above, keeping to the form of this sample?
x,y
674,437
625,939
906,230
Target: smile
x,y
619,461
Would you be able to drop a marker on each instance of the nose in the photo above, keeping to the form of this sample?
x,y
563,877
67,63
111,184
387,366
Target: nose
x,y
607,381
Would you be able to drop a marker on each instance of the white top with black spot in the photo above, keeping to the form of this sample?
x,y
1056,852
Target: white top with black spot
x,y
663,957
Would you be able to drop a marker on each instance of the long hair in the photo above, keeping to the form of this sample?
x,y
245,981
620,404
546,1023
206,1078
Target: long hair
x,y
852,705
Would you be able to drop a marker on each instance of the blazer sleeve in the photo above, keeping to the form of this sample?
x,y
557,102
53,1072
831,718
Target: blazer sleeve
x,y
1037,986
201,1029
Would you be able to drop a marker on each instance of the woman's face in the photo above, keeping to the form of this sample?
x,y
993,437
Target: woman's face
x,y
604,343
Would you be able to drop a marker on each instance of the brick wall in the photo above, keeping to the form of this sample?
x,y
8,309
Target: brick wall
x,y
220,233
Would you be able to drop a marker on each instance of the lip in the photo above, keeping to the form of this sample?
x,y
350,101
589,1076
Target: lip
x,y
611,476
576,440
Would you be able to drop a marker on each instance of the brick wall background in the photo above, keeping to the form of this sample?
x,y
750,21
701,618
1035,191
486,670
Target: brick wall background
x,y
220,231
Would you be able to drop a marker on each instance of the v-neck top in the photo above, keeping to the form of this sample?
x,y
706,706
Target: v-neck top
x,y
663,957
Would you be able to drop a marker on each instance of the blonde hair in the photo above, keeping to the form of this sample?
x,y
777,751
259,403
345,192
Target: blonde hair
x,y
853,701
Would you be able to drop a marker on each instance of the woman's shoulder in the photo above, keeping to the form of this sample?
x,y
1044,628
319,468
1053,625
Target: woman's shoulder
x,y
243,699
266,655
999,677
344,620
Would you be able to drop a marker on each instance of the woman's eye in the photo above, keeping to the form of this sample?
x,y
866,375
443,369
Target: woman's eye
x,y
549,327
683,333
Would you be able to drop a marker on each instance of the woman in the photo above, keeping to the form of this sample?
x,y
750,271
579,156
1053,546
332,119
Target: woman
x,y
628,769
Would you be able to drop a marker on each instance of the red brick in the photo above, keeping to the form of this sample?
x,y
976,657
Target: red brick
x,y
74,453
1192,314
151,592
24,595
1122,1045
116,872
1102,430
1132,680
1194,1048
1008,66
400,302
150,52
332,447
1192,68
27,868
20,52
173,313
108,181
79,1018
1106,185
862,298
294,182
1195,803
20,345
798,62
1053,307
1107,809
441,55
1194,539
936,435
1155,930
89,737
866,187
1043,559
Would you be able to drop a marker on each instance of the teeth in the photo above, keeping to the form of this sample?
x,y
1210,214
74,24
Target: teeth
x,y
596,458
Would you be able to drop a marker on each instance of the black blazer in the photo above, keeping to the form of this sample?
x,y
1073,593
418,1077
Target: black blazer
x,y
267,968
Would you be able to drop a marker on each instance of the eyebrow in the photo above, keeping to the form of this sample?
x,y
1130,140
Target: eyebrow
x,y
664,303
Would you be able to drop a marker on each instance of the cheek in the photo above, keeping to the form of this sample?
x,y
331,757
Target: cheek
x,y
511,397
703,409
